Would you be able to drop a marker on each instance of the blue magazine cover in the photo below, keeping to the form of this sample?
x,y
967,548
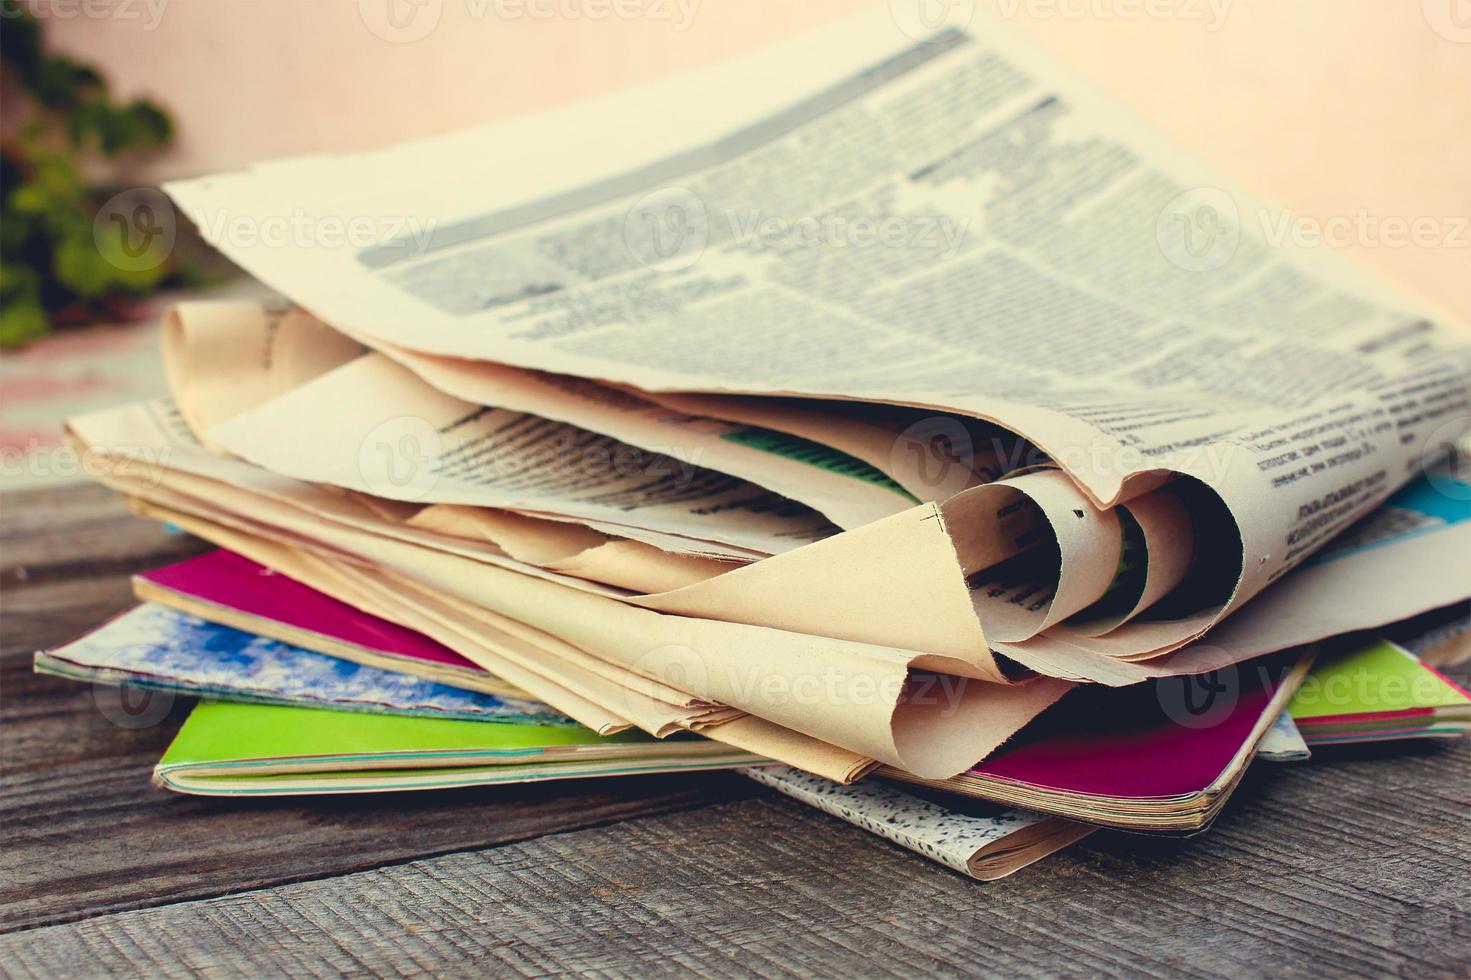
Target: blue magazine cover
x,y
158,648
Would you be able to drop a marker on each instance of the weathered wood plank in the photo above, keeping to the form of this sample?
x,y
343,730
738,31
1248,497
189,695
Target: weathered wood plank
x,y
44,614
81,830
87,836
1297,880
78,532
1353,865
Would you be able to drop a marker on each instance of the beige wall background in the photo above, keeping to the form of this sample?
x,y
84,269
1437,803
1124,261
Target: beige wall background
x,y
1357,111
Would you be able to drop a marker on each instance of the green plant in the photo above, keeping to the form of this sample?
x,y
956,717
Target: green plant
x,y
53,267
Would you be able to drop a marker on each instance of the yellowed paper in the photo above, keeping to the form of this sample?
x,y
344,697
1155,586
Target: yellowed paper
x,y
859,696
222,358
372,426
847,492
573,549
1127,314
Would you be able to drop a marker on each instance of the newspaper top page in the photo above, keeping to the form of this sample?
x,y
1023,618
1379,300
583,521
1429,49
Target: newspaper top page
x,y
944,220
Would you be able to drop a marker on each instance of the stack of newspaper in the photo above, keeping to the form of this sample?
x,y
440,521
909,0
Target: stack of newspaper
x,y
849,405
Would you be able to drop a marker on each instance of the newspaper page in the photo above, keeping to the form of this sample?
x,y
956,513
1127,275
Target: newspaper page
x,y
224,357
861,699
867,699
374,427
1423,528
845,489
950,222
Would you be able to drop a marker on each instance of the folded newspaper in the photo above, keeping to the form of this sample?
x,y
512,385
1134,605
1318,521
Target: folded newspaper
x,y
847,403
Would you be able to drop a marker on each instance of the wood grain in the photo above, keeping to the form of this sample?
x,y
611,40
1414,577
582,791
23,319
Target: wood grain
x,y
1301,879
86,833
79,532
82,831
1353,865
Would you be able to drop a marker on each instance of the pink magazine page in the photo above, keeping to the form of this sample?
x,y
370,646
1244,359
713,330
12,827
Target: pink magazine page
x,y
223,578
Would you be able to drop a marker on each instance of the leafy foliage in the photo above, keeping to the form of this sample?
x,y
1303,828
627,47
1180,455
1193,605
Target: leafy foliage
x,y
52,266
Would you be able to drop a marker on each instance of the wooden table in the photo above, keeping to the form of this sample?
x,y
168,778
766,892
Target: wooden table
x,y
1354,864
